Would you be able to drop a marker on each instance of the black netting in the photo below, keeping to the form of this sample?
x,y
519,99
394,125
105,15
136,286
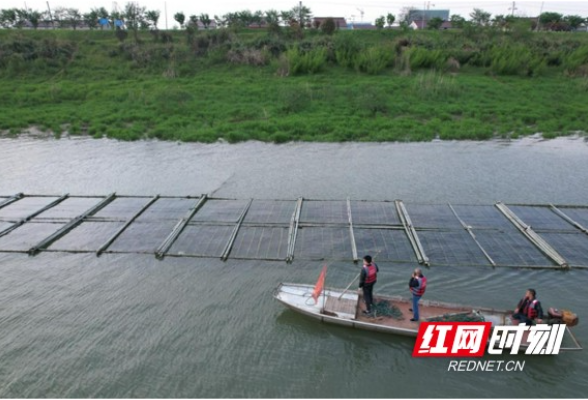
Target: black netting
x,y
261,243
451,248
24,207
384,244
573,247
205,241
482,217
511,248
270,212
579,215
28,235
432,216
540,218
220,211
167,209
319,243
142,237
374,213
121,209
324,212
68,209
89,236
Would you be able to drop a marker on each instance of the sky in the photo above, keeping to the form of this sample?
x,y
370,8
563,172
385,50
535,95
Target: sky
x,y
352,10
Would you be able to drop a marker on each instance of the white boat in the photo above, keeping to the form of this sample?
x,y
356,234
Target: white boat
x,y
345,308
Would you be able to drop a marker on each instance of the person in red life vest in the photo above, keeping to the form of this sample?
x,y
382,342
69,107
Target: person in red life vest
x,y
367,280
417,286
529,309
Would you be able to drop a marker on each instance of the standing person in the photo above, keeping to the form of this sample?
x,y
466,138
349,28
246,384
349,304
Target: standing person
x,y
367,280
417,286
529,309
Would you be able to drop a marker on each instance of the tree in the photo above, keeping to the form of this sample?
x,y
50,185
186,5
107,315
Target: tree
x,y
574,21
90,19
34,18
272,17
457,21
134,15
193,21
328,26
380,22
257,18
73,17
434,23
180,18
153,18
303,15
22,16
287,17
390,19
404,15
480,17
7,17
205,20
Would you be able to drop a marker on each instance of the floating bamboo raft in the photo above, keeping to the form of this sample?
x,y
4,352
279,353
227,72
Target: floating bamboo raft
x,y
497,235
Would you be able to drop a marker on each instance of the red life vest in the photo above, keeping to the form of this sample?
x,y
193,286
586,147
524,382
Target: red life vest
x,y
420,290
370,273
529,310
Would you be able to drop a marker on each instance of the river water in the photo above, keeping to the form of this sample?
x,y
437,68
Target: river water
x,y
74,325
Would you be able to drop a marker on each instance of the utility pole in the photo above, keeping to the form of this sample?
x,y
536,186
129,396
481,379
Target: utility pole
x,y
513,8
50,15
300,16
165,9
539,18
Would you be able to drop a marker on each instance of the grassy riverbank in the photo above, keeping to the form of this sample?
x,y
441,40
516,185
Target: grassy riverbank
x,y
89,83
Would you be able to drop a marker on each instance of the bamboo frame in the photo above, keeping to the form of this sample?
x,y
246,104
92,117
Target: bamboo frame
x,y
229,245
181,224
563,215
471,232
70,225
106,245
293,230
352,236
411,233
12,199
33,215
533,237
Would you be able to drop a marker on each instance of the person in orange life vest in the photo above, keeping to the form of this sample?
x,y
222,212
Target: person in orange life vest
x,y
529,309
417,286
367,280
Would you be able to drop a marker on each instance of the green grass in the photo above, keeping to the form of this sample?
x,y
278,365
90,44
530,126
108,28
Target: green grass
x,y
88,83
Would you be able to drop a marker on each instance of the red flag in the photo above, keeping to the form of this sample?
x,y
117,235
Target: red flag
x,y
320,284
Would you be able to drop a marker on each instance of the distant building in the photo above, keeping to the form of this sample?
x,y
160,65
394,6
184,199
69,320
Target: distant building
x,y
417,25
361,25
426,15
340,22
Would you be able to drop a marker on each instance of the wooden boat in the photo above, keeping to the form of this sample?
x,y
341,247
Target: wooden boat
x,y
345,308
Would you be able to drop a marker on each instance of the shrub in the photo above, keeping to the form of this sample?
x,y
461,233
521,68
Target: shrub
x,y
374,60
306,63
347,47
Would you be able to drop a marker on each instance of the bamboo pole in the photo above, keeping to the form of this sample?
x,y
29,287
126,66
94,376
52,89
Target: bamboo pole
x,y
353,246
12,199
533,237
105,246
567,218
293,230
229,245
181,224
471,232
71,225
33,215
411,233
